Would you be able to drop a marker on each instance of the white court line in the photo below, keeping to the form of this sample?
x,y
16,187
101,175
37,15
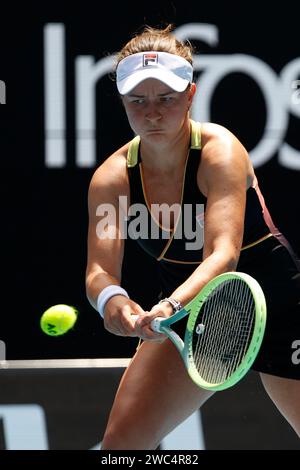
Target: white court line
x,y
65,363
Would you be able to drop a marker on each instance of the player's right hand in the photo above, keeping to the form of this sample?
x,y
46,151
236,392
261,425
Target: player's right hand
x,y
118,316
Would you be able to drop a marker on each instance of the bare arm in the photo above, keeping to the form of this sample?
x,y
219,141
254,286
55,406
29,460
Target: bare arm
x,y
224,176
106,245
105,248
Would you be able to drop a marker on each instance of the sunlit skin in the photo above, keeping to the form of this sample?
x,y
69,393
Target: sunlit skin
x,y
159,115
156,393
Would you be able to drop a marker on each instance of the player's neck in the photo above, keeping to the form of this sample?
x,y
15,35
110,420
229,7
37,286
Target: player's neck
x,y
163,158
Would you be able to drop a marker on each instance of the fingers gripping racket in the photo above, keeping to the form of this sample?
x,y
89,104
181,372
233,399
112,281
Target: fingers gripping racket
x,y
224,332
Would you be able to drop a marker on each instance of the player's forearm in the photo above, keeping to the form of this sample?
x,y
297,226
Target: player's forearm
x,y
96,282
213,265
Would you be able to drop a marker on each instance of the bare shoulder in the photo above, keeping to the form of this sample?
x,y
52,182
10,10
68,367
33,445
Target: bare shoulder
x,y
111,178
219,137
222,153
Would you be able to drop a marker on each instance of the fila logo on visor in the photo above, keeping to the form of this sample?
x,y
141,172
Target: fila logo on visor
x,y
150,59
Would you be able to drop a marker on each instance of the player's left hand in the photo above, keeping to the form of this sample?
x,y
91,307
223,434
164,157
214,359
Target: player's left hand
x,y
143,323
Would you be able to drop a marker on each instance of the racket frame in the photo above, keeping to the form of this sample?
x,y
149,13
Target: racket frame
x,y
163,325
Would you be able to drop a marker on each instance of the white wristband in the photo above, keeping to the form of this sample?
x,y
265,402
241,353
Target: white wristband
x,y
106,294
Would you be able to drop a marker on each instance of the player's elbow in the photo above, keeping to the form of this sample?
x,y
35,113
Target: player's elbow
x,y
231,254
227,252
232,263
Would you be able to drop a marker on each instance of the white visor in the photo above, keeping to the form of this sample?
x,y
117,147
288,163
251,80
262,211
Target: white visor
x,y
170,69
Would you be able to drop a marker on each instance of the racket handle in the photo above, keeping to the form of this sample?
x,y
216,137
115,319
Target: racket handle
x,y
155,324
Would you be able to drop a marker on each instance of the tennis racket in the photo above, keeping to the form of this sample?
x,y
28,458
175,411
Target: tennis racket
x,y
224,332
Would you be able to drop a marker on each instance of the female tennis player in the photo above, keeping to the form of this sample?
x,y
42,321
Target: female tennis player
x,y
187,166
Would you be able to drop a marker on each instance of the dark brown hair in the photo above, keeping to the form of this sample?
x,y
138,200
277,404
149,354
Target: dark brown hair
x,y
154,39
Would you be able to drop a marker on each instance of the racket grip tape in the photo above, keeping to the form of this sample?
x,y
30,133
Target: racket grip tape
x,y
155,324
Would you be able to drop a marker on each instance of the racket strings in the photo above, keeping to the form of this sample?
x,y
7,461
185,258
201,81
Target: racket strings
x,y
227,321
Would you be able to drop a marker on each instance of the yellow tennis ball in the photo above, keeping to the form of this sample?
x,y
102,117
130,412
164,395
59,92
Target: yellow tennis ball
x,y
57,320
